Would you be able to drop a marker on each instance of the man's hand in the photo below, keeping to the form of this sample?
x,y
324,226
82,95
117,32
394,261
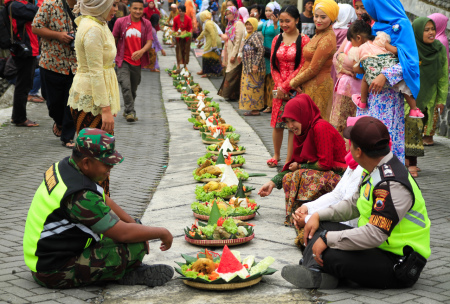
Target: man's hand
x,y
64,38
440,108
318,248
137,55
266,189
299,216
232,60
163,52
311,227
377,84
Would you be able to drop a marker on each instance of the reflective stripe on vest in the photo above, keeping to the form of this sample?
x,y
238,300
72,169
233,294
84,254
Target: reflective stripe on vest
x,y
412,230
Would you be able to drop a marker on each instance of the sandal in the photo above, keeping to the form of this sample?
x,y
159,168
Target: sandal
x,y
413,172
57,130
272,163
268,110
35,99
69,145
27,123
204,76
200,73
251,114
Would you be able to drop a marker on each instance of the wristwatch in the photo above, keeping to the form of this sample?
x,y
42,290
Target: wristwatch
x,y
323,236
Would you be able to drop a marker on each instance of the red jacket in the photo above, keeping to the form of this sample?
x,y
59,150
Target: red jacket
x,y
119,32
22,15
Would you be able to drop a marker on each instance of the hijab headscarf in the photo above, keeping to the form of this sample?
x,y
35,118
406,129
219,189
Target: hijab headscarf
x,y
254,23
272,5
441,25
303,109
391,18
329,7
430,61
231,28
244,14
95,8
347,15
349,160
205,15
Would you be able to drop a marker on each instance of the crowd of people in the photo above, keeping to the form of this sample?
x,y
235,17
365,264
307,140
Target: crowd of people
x,y
331,73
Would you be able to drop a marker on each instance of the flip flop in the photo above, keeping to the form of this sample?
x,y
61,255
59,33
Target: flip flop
x,y
251,114
56,130
27,123
35,99
69,145
428,144
267,110
272,163
413,172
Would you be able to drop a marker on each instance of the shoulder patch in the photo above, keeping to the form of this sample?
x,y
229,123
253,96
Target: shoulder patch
x,y
50,178
367,190
387,171
381,222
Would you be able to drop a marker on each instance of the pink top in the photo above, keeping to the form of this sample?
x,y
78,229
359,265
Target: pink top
x,y
371,48
341,36
345,85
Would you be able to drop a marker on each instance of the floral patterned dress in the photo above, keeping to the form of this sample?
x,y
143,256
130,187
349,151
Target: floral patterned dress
x,y
388,106
282,77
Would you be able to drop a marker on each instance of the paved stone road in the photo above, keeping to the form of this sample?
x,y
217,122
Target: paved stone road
x,y
434,283
27,153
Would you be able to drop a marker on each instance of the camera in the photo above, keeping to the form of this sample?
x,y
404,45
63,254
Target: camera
x,y
72,43
20,49
276,13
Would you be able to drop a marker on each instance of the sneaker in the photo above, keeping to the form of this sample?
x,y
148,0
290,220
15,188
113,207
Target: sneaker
x,y
416,113
303,277
150,275
356,98
131,117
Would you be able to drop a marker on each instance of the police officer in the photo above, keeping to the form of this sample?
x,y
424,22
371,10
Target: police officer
x,y
392,242
76,235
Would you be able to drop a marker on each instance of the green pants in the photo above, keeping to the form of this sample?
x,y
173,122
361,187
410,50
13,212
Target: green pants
x,y
106,260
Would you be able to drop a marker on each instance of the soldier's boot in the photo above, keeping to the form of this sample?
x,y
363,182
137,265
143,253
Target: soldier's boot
x,y
150,275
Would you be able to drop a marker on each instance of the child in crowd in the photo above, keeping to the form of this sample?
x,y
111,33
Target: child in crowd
x,y
375,54
156,46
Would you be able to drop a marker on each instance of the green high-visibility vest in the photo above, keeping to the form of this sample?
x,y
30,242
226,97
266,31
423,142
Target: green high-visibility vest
x,y
414,228
46,245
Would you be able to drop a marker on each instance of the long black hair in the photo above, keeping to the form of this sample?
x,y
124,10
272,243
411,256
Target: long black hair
x,y
154,20
294,13
260,8
360,27
234,3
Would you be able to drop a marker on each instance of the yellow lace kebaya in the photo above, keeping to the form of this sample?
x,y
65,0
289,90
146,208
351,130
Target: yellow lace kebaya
x,y
95,84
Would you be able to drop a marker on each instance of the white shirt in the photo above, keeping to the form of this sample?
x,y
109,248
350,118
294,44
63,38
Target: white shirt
x,y
345,189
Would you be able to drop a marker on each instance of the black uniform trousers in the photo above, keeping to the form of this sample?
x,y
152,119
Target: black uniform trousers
x,y
372,268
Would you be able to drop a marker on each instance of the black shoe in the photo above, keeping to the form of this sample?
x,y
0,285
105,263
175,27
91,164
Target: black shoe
x,y
303,277
150,275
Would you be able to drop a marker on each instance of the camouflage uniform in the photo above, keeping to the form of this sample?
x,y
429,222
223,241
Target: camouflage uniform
x,y
79,260
106,260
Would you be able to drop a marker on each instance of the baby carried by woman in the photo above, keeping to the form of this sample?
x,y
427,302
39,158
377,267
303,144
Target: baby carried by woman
x,y
371,56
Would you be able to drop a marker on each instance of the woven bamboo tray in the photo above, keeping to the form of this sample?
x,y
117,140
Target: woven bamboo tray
x,y
232,153
210,142
219,243
229,286
242,218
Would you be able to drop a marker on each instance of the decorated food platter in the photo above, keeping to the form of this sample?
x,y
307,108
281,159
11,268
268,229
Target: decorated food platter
x,y
212,271
238,208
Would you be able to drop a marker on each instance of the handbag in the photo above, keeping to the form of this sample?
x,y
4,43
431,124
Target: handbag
x,y
18,48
